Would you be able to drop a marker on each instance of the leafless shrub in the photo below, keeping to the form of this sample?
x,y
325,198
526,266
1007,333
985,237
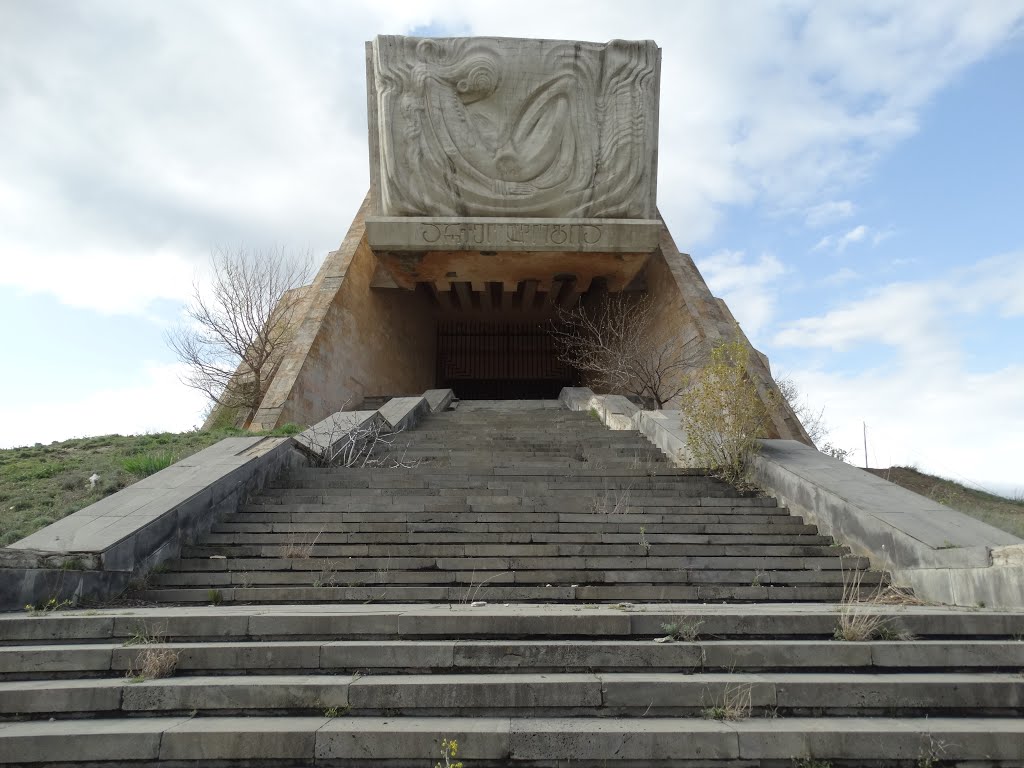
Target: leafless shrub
x,y
238,329
733,704
618,346
328,575
612,502
343,441
858,621
153,664
894,595
811,418
298,548
473,590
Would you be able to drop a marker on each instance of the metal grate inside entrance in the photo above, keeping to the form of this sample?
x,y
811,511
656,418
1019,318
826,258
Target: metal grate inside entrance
x,y
499,361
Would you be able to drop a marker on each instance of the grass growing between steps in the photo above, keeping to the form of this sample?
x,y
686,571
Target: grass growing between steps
x,y
1004,513
40,484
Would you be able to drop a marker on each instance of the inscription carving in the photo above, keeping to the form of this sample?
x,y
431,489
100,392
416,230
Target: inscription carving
x,y
483,234
505,127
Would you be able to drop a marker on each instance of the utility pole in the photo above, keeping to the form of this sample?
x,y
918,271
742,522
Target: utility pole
x,y
865,444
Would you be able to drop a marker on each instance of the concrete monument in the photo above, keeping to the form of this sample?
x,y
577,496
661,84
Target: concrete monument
x,y
508,179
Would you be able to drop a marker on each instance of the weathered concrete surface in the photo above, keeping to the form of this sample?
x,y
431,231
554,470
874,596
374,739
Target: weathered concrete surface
x,y
665,430
439,399
452,233
488,126
943,554
660,427
590,741
354,341
616,411
142,525
404,412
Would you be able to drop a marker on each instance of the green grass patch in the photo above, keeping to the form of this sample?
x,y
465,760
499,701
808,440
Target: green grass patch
x,y
146,464
40,484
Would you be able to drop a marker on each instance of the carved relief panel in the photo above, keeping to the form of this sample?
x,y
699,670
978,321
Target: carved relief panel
x,y
510,127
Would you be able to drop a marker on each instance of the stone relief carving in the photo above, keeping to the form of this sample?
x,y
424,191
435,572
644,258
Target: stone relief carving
x,y
508,127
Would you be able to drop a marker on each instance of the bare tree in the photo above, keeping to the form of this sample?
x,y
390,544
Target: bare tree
x,y
346,440
618,347
238,329
812,419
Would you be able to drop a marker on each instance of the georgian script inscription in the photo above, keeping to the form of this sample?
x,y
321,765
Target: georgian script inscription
x,y
497,235
524,128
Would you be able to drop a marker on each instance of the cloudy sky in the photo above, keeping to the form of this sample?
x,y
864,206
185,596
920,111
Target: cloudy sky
x,y
848,176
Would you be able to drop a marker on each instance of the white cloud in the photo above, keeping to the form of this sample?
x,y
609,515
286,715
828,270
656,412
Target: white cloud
x,y
113,281
946,421
745,286
828,212
927,406
855,235
902,315
139,130
824,243
881,236
915,317
155,402
858,234
995,282
840,276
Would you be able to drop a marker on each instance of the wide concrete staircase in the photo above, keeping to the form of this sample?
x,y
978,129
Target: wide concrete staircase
x,y
538,588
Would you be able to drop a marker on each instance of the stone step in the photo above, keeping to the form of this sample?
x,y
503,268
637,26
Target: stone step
x,y
498,508
330,534
636,558
523,537
357,574
454,484
28,662
555,593
568,502
541,472
395,621
419,485
339,500
538,494
567,442
655,694
826,554
286,522
531,741
334,533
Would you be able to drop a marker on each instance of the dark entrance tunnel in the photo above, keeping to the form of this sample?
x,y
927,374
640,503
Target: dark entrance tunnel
x,y
484,360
